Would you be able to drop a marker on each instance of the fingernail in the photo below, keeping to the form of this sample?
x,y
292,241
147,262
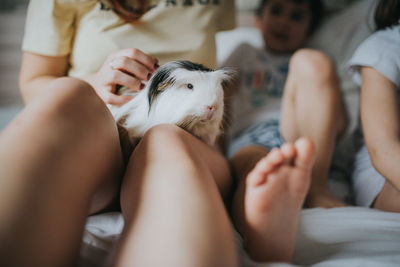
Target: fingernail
x,y
148,76
141,86
112,65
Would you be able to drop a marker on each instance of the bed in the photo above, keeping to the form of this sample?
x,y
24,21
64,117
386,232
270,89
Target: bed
x,y
349,236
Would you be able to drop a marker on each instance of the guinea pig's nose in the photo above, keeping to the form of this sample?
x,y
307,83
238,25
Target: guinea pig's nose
x,y
211,108
210,112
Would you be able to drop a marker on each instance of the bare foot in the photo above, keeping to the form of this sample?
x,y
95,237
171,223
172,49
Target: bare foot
x,y
275,192
322,197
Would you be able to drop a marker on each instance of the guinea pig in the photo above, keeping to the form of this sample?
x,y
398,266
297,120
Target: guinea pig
x,y
183,93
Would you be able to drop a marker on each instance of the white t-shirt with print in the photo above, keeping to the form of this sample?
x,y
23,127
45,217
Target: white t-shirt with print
x,y
262,76
88,31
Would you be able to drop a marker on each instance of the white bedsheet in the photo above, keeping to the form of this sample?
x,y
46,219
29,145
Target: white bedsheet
x,y
350,236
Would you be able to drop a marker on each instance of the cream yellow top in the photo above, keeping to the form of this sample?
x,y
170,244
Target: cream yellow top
x,y
88,31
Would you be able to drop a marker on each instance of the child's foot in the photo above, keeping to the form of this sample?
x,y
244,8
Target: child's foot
x,y
275,192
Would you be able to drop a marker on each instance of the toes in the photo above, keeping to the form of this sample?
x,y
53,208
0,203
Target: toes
x,y
266,165
275,157
302,153
289,152
255,178
305,153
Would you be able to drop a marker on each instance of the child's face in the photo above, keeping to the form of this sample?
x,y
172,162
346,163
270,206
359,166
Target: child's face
x,y
284,25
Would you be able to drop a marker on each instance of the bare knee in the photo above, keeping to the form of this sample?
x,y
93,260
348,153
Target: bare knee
x,y
160,155
164,135
81,122
90,130
315,77
75,99
313,64
75,105
71,130
169,143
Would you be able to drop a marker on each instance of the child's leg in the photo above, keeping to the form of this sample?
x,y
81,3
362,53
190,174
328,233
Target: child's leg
x,y
172,204
388,199
53,156
269,200
312,107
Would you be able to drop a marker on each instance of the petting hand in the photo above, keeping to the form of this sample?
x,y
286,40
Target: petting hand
x,y
127,67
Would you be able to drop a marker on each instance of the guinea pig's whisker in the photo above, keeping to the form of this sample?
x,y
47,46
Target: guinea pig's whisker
x,y
188,122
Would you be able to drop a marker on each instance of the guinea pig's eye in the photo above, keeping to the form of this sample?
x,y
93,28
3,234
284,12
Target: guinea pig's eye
x,y
189,86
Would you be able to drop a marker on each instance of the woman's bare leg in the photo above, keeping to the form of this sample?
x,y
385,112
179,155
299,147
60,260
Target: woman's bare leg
x,y
312,107
53,157
172,204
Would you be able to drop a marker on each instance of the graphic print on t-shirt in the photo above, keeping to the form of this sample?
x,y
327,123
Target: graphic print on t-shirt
x,y
265,82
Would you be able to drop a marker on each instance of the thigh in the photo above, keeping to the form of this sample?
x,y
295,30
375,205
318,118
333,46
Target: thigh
x,y
388,199
211,157
164,149
66,135
172,191
53,157
215,162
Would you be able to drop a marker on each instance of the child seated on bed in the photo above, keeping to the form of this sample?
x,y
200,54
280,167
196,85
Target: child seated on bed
x,y
375,66
284,93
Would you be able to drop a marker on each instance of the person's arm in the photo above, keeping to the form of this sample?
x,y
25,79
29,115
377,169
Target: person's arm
x,y
37,71
380,121
126,67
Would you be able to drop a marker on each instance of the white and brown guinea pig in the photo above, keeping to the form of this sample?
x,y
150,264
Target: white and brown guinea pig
x,y
183,93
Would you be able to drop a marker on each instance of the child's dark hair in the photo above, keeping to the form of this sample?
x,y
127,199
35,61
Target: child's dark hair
x,y
316,11
387,13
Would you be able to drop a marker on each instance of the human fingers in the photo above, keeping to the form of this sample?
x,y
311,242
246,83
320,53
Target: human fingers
x,y
147,61
118,77
113,99
132,67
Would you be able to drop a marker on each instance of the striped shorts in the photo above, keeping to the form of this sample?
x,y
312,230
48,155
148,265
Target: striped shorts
x,y
265,134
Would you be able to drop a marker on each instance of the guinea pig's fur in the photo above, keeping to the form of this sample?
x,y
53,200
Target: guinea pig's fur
x,y
183,93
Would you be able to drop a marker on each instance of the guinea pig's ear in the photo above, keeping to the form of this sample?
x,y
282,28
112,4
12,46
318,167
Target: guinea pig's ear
x,y
160,80
228,77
